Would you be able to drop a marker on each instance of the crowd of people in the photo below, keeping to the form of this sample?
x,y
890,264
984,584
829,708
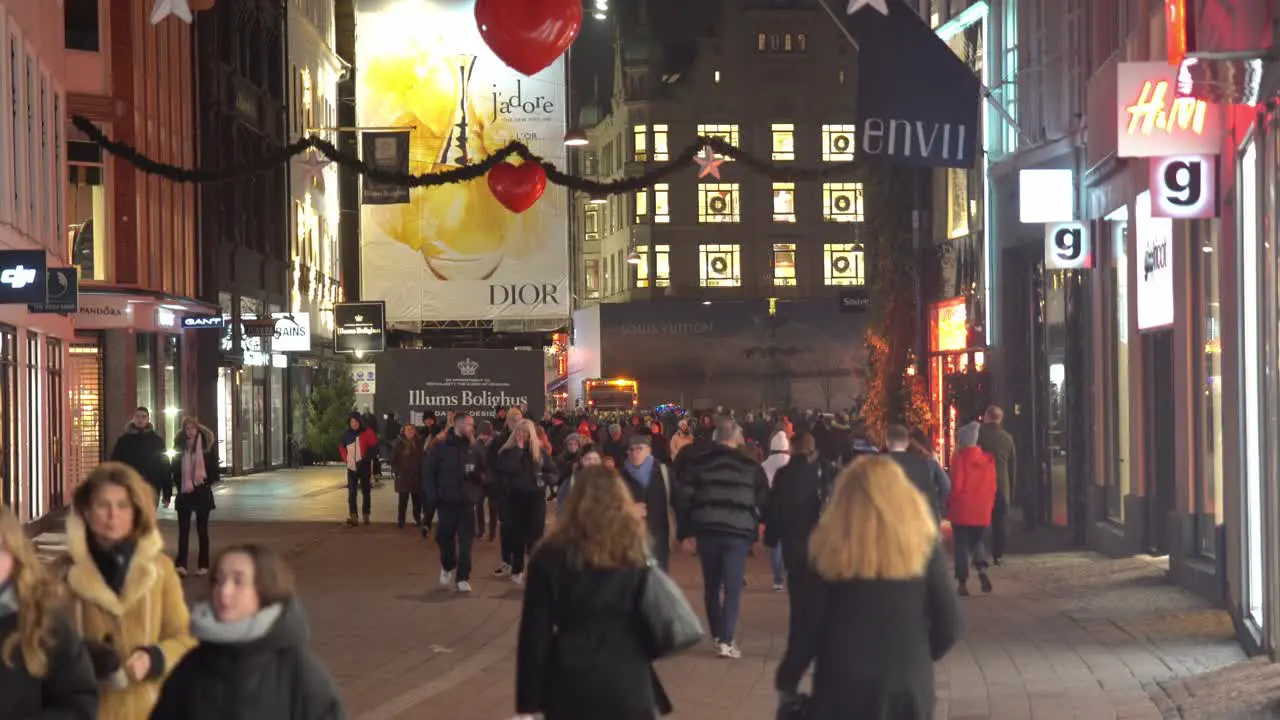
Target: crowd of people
x,y
587,511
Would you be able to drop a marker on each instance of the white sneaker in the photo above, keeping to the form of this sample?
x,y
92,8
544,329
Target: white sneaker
x,y
502,571
446,578
182,572
778,587
202,572
729,651
464,586
517,578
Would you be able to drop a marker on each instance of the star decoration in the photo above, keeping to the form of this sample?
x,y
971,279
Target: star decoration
x,y
708,163
177,8
312,168
877,5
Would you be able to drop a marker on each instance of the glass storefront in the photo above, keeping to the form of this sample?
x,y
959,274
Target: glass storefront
x,y
54,405
1255,347
277,416
1117,377
35,443
9,413
1208,481
226,410
171,359
147,377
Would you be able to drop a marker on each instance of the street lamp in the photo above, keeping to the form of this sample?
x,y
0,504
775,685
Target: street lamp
x,y
634,258
598,200
576,138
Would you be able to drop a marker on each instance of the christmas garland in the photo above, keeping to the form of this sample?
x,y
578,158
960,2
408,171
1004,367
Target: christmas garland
x,y
684,159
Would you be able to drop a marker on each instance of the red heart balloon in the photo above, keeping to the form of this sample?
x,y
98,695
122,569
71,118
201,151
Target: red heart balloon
x,y
529,35
517,187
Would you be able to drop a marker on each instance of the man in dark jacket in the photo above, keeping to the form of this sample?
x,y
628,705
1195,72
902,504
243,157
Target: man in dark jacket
x,y
650,484
927,476
718,499
997,442
142,448
452,483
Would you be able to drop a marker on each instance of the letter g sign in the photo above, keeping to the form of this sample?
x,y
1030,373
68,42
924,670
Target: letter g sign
x,y
1068,246
1184,187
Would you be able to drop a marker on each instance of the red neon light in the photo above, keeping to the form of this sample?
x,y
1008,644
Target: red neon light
x,y
1158,109
1175,25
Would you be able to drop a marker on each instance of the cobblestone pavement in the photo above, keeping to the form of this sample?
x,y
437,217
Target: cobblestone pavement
x,y
1064,635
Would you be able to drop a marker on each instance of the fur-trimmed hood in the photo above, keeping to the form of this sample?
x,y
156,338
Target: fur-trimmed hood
x,y
206,435
86,581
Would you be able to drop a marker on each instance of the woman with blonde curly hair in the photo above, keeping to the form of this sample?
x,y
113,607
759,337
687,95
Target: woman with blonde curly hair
x,y
523,471
877,610
126,596
581,654
44,669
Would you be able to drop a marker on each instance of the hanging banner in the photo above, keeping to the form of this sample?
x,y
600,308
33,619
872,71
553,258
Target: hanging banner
x,y
384,151
918,102
453,252
359,327
414,383
1184,187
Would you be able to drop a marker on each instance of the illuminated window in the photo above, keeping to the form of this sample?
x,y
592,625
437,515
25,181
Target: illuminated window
x,y
641,143
591,220
802,42
762,42
661,203
784,264
787,45
842,202
842,264
661,265
838,143
642,204
642,267
660,151
957,202
784,202
727,133
719,266
591,278
784,141
718,203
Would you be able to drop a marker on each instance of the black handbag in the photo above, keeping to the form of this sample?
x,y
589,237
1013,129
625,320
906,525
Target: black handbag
x,y
669,624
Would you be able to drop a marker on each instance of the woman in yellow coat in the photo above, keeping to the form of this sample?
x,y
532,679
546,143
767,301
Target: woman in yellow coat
x,y
126,597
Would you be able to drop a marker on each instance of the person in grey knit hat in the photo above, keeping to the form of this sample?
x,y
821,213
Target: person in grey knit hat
x,y
973,494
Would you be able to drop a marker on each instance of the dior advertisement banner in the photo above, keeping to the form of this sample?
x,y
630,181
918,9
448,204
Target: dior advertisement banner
x,y
414,383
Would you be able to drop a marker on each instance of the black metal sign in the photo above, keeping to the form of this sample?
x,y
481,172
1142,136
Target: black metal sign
x,y
204,322
360,327
23,277
62,292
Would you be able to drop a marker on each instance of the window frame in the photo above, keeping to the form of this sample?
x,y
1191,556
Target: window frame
x,y
728,132
660,151
783,217
829,132
706,254
661,203
857,274
783,280
777,130
640,143
856,214
734,212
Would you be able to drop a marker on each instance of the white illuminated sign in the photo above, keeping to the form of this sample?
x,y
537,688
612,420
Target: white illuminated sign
x,y
18,277
1184,187
293,332
1046,196
1154,267
1068,246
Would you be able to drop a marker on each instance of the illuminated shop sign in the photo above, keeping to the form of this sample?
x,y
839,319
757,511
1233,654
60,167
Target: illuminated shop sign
x,y
1068,246
1152,121
1184,187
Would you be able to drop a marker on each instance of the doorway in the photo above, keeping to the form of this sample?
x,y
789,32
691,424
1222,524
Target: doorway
x,y
1159,481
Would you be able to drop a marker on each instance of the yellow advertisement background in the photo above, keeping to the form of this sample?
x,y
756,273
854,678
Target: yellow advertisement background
x,y
436,258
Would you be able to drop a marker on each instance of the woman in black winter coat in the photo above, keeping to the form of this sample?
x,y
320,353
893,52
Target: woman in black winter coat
x,y
523,471
795,504
252,660
878,609
45,672
580,654
194,472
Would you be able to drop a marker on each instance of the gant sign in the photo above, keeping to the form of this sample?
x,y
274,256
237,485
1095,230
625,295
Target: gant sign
x,y
1152,121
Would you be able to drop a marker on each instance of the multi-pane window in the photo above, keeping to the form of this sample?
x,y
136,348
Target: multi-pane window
x,y
784,264
718,203
661,151
88,229
784,202
591,221
640,143
842,202
15,127
80,25
781,42
654,269
784,141
46,217
33,175
838,143
591,278
843,264
719,265
662,203
642,205
727,133
58,188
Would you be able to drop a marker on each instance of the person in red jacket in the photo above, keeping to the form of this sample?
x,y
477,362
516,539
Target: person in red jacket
x,y
973,494
357,448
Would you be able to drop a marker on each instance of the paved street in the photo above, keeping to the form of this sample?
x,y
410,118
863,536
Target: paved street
x,y
1066,635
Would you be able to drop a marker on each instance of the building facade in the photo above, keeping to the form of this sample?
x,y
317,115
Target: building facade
x,y
34,418
132,235
245,235
315,272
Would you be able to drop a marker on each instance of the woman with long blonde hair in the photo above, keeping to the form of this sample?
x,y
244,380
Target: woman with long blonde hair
x,y
523,472
581,653
878,609
44,668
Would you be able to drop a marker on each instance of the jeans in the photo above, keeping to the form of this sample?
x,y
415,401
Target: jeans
x,y
359,480
455,532
999,529
969,550
402,504
188,504
526,520
775,560
724,565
